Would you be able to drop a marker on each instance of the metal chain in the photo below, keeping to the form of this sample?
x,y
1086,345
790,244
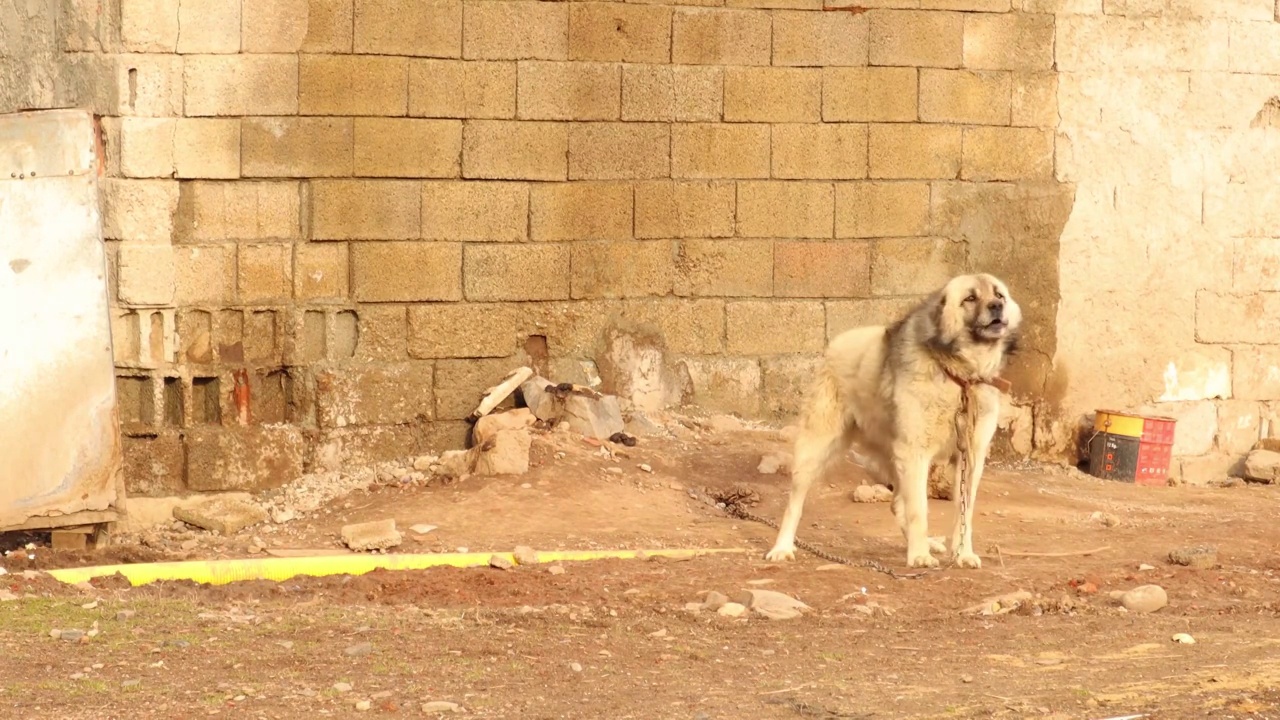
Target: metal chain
x,y
963,432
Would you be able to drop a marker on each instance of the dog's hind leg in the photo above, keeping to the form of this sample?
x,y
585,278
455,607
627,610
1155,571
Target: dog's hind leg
x,y
821,441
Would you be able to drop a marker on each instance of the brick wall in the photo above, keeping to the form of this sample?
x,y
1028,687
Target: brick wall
x,y
356,213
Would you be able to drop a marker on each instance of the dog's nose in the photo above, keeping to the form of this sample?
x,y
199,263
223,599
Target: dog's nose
x,y
996,307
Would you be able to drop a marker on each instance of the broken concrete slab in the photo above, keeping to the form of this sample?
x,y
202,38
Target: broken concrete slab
x,y
771,604
489,426
374,535
507,453
1262,466
596,417
225,516
494,396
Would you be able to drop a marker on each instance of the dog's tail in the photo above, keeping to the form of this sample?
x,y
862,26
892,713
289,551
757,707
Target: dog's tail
x,y
823,412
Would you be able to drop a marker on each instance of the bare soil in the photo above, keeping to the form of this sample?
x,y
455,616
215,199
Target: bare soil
x,y
612,639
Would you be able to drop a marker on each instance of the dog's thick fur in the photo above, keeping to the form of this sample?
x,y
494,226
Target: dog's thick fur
x,y
894,393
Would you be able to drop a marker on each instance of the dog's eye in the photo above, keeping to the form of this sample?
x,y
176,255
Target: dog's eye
x,y
972,298
999,295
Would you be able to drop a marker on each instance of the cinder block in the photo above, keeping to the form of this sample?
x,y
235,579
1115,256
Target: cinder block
x,y
813,151
779,327
724,268
786,209
1254,48
204,274
1255,265
819,39
715,36
330,26
154,466
156,82
912,151
688,327
207,148
149,26
366,210
388,394
240,85
423,28
281,26
914,266
821,268
630,268
321,272
146,147
265,273
1255,373
785,383
1239,426
882,209
520,30
218,211
460,384
848,314
475,211
916,38
666,93
516,272
1007,153
208,26
146,274
614,32
1009,41
615,150
580,211
568,91
404,147
297,147
463,330
138,210
1237,318
406,271
975,6
719,151
462,89
869,94
510,150
353,85
965,97
1035,100
685,209
772,95
244,458
383,333
725,384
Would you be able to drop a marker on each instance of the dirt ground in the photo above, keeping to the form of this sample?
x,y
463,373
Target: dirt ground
x,y
613,639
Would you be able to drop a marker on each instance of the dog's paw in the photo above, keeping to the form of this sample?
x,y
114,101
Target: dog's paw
x,y
922,560
968,559
781,554
937,545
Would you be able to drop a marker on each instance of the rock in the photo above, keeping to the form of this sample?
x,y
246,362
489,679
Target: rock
x,y
225,516
1106,519
422,528
374,535
724,424
595,417
872,494
507,453
576,667
439,706
1145,599
641,426
490,426
358,650
1262,466
499,562
457,463
771,604
1001,604
541,403
773,463
714,600
342,687
189,545
1184,639
424,463
363,705
1143,567
732,609
1230,482
658,633
71,635
6,596
882,493
556,570
525,555
645,467
1200,557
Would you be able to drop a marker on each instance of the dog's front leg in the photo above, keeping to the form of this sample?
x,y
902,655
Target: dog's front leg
x,y
988,413
912,470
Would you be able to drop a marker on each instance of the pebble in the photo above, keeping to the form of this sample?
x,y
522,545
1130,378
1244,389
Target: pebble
x,y
525,555
131,683
645,467
440,706
1184,639
422,528
342,687
732,609
576,667
1200,557
359,649
966,678
1145,567
714,600
556,570
1145,599
363,705
286,644
499,562
613,470
658,633
772,604
71,635
774,462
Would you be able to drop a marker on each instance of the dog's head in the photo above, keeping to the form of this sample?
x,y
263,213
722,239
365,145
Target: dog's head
x,y
977,309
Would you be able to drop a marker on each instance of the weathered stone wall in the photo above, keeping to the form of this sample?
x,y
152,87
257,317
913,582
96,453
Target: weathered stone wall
x,y
1170,262
333,223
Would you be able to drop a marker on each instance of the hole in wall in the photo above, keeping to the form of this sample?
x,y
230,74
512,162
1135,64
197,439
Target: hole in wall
x,y
172,401
206,401
135,399
346,335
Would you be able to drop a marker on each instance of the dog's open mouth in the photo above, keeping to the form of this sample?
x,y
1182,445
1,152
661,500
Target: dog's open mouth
x,y
994,329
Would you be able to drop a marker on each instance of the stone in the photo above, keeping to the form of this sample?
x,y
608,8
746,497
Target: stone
x,y
342,687
1200,557
225,516
771,604
732,609
872,494
422,528
373,535
598,416
439,706
71,635
525,555
1262,466
1183,639
358,650
363,705
714,600
500,563
1145,599
490,426
457,463
556,570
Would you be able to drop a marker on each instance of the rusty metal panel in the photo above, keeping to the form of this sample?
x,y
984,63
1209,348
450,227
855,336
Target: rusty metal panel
x,y
59,430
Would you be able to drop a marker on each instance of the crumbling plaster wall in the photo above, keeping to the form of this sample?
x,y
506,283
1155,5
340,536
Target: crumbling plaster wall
x,y
1169,262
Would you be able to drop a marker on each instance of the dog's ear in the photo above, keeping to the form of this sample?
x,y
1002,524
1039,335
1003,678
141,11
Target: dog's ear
x,y
948,319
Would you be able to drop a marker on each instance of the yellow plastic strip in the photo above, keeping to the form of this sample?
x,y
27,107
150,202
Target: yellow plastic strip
x,y
1118,424
221,572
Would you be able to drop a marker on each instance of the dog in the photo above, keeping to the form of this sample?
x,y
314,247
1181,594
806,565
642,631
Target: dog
x,y
893,393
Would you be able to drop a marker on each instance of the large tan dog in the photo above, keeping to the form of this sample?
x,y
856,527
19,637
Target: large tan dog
x,y
894,393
